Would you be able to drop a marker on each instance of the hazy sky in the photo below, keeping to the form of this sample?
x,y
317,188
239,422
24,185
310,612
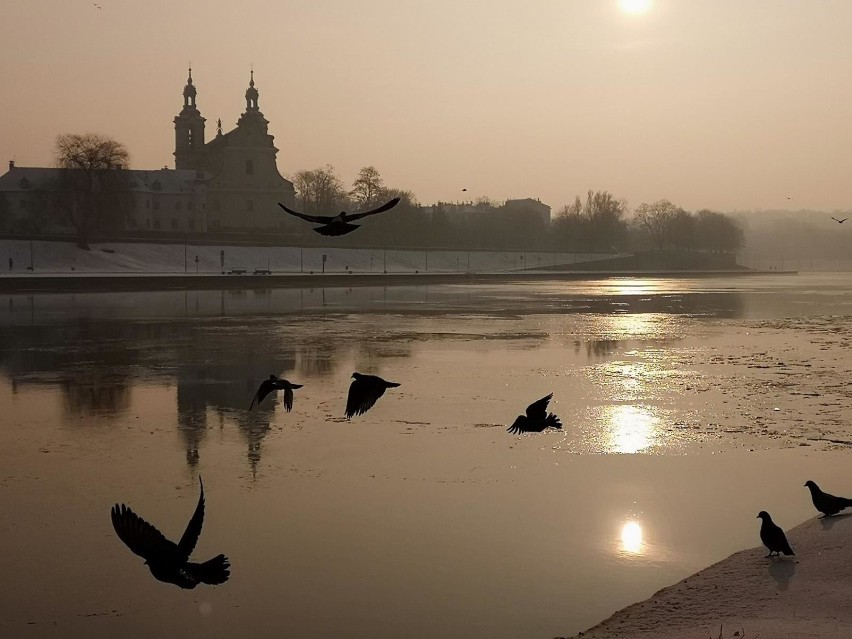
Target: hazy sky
x,y
725,104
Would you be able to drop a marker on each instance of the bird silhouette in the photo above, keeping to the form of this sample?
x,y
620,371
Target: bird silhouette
x,y
167,561
839,221
339,224
275,384
536,419
364,391
772,536
827,504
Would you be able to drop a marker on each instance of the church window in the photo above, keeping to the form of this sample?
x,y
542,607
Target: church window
x,y
249,167
189,137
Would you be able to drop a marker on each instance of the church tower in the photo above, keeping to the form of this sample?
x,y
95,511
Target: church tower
x,y
189,131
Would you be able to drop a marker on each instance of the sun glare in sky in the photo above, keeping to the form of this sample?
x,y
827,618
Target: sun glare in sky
x,y
634,7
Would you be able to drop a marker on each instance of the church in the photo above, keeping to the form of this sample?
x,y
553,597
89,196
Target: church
x,y
242,181
229,183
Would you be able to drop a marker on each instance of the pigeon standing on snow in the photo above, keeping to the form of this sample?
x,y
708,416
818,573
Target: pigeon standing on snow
x,y
275,384
827,504
365,391
536,419
772,536
167,561
339,224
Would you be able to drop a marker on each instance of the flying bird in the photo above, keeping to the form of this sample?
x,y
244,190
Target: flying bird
x,y
365,391
464,189
772,536
275,384
536,419
339,224
839,221
827,504
167,561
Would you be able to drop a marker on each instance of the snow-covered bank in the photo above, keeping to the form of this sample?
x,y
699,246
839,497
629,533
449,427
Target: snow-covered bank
x,y
143,257
778,598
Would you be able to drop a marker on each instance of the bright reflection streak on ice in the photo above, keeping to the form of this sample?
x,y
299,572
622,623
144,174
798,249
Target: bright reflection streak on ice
x,y
632,428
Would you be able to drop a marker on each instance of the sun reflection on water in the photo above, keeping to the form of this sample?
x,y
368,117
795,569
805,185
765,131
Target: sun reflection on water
x,y
631,538
632,428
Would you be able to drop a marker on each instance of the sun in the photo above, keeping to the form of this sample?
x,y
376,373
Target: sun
x,y
634,7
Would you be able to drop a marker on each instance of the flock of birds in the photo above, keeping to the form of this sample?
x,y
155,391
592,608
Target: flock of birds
x,y
169,561
772,535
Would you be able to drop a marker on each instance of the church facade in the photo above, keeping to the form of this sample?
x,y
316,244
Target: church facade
x,y
229,183
243,185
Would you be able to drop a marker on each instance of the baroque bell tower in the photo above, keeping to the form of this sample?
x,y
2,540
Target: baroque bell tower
x,y
189,131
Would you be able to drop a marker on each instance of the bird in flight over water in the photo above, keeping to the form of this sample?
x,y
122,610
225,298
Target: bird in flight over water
x,y
364,391
772,536
275,384
536,419
339,224
827,504
169,561
839,221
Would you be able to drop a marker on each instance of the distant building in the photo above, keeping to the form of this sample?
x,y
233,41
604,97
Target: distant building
x,y
243,182
229,183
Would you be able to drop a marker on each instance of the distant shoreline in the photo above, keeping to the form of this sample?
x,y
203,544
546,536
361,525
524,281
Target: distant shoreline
x,y
129,282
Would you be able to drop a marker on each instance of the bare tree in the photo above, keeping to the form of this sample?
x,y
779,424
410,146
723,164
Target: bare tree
x,y
92,182
320,191
718,232
658,219
367,188
597,224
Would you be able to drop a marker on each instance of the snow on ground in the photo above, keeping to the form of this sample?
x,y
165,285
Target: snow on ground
x,y
748,595
123,257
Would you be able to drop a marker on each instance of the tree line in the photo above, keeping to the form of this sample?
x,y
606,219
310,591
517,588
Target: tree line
x,y
90,197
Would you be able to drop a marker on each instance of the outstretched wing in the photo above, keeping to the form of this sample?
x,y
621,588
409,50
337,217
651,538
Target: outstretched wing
x,y
538,410
384,207
316,219
140,536
363,393
193,529
266,387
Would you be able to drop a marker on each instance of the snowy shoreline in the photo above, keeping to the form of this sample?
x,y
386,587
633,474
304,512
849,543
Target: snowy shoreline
x,y
780,598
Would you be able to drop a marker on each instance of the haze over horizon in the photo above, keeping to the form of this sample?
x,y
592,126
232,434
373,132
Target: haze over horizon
x,y
729,105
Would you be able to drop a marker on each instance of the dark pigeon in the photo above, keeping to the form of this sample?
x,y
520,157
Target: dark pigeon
x,y
339,224
365,391
275,384
536,419
167,561
827,504
772,536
